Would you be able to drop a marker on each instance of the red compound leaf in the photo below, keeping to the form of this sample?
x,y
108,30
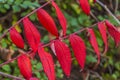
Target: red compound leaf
x,y
48,64
93,41
79,49
113,32
34,78
31,33
25,67
16,38
103,32
61,17
46,20
63,55
85,6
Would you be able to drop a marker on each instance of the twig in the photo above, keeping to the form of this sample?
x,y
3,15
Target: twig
x,y
81,30
10,76
95,73
94,16
9,61
23,18
111,4
3,18
105,7
116,5
110,70
14,58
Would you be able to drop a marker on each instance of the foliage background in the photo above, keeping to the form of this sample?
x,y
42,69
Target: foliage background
x,y
12,10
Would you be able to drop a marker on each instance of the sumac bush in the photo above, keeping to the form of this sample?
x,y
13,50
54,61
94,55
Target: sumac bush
x,y
31,37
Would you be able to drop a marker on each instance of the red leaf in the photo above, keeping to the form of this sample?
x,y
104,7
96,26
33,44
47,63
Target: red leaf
x,y
24,65
63,55
113,32
94,1
34,78
85,6
46,20
16,38
47,62
61,17
103,30
79,49
31,33
94,43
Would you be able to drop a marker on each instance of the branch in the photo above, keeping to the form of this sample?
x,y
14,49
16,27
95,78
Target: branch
x,y
105,7
47,44
10,76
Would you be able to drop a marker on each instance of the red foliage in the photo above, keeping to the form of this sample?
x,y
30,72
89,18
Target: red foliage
x,y
34,78
93,41
60,49
94,1
61,17
103,31
16,38
85,6
31,33
24,65
47,62
113,32
63,55
79,49
46,20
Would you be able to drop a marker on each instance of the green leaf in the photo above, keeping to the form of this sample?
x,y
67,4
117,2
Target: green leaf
x,y
29,4
1,28
39,66
33,17
10,1
34,62
2,10
36,4
59,73
6,68
16,71
117,65
38,74
7,6
91,59
18,2
16,8
3,43
24,6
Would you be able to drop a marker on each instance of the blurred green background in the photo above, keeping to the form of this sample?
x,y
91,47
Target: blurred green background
x,y
13,10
